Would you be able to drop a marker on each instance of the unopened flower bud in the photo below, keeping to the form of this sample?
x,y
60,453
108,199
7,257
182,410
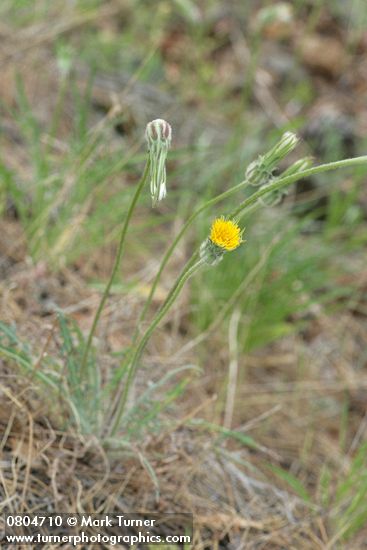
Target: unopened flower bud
x,y
298,166
260,171
158,135
257,173
272,198
287,143
158,130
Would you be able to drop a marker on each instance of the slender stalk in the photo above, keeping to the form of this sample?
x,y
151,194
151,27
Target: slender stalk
x,y
185,275
119,372
125,363
280,183
177,239
114,269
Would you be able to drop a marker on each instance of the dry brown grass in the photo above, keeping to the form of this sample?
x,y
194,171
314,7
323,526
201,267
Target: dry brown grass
x,y
289,397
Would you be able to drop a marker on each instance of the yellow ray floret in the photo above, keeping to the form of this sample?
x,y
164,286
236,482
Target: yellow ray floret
x,y
225,233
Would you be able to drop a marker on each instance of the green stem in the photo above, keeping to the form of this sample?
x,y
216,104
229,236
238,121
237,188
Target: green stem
x,y
185,275
114,270
287,180
119,373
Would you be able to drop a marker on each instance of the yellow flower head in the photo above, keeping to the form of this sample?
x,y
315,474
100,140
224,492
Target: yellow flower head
x,y
225,233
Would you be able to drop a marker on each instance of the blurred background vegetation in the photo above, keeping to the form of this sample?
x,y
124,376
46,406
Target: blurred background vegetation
x,y
79,82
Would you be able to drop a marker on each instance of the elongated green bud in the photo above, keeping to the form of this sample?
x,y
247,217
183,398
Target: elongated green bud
x,y
158,135
298,166
260,171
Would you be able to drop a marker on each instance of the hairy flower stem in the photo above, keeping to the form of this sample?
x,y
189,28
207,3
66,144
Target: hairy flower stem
x,y
279,184
115,269
188,271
